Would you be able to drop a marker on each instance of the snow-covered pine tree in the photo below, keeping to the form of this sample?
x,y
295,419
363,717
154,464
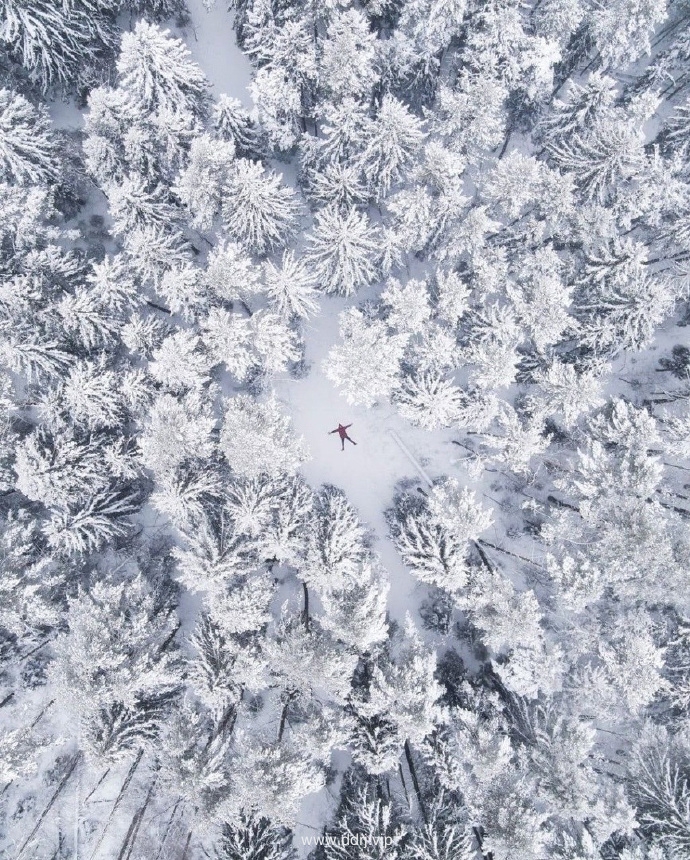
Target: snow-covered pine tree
x,y
433,536
30,581
360,365
258,439
429,399
179,364
231,275
176,428
290,287
347,65
114,667
364,817
309,663
234,125
336,542
659,786
227,339
27,148
284,536
356,612
393,139
622,31
133,206
258,210
430,26
343,251
201,186
156,70
252,837
153,251
273,779
57,45
405,690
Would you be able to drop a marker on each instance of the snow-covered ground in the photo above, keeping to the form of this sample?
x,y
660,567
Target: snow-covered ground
x,y
211,41
66,115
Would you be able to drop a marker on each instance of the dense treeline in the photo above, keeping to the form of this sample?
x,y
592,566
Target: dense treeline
x,y
196,652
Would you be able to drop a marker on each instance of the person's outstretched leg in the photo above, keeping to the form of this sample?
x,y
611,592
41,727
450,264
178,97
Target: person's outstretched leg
x,y
342,442
349,440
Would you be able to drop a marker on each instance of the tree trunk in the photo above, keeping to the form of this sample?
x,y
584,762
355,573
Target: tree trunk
x,y
77,795
508,552
167,829
415,782
95,788
674,466
682,511
159,307
404,785
305,611
228,718
40,716
666,31
505,144
58,851
37,648
168,642
186,846
133,831
485,559
125,786
562,504
283,717
591,63
480,841
381,799
56,794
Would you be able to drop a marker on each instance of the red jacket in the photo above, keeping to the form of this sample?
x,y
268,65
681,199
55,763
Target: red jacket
x,y
341,430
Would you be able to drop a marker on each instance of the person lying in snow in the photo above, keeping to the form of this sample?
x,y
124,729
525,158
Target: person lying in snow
x,y
341,430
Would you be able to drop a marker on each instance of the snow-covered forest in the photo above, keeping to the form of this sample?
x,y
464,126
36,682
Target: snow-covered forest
x,y
461,229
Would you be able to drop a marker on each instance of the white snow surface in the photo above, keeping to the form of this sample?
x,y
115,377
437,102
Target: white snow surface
x,y
65,115
211,41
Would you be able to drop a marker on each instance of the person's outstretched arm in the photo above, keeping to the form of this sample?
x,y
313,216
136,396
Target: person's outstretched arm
x,y
346,426
333,431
